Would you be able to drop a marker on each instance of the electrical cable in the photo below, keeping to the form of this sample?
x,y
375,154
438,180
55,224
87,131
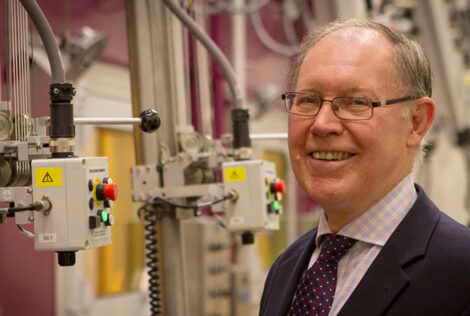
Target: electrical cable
x,y
247,9
197,206
150,216
268,41
13,210
48,38
25,232
289,30
306,16
218,7
212,48
151,241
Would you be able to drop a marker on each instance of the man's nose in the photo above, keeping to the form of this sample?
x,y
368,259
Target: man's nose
x,y
326,122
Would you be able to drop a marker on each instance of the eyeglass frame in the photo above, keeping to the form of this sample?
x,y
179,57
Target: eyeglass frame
x,y
373,103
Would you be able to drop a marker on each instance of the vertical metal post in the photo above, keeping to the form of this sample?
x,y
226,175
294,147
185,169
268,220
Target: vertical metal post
x,y
156,58
444,58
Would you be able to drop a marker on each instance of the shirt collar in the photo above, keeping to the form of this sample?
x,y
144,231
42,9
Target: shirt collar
x,y
378,222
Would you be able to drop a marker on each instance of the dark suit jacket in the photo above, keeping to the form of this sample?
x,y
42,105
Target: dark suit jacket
x,y
423,269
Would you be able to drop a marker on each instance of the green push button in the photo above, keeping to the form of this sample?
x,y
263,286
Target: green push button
x,y
276,206
104,216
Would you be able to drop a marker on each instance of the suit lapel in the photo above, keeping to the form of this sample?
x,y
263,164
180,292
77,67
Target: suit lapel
x,y
286,280
386,277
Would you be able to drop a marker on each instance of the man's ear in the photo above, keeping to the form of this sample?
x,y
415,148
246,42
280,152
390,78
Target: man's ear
x,y
423,113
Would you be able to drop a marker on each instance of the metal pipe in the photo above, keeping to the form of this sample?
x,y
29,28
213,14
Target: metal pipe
x,y
268,136
107,120
48,39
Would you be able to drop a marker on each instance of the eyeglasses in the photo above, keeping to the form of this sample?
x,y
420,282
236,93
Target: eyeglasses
x,y
345,108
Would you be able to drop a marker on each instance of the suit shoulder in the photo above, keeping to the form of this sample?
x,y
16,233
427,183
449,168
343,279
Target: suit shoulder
x,y
452,238
452,229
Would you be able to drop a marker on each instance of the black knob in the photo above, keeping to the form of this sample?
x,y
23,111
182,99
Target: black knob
x,y
66,258
150,121
248,238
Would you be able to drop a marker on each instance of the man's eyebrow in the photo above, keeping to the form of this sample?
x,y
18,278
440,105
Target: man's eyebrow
x,y
307,89
343,92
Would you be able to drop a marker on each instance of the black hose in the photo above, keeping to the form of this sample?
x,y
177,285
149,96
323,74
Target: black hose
x,y
48,39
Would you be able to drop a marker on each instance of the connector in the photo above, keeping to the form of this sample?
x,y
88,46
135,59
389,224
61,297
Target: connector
x,y
44,205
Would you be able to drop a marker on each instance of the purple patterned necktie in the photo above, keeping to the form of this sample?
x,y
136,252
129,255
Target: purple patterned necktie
x,y
316,289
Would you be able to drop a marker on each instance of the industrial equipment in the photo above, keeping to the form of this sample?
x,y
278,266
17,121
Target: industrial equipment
x,y
42,181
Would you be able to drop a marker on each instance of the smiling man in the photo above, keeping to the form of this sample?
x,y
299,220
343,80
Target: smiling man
x,y
359,106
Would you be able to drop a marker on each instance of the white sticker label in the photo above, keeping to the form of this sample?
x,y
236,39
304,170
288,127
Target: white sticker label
x,y
7,195
47,238
237,220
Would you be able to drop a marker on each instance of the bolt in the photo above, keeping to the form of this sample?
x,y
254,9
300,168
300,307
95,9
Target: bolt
x,y
31,218
55,91
29,190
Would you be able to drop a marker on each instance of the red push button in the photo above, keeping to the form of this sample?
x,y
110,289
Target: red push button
x,y
280,186
110,191
106,191
277,186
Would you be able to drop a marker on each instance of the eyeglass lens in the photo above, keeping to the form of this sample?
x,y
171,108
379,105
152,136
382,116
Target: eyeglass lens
x,y
348,108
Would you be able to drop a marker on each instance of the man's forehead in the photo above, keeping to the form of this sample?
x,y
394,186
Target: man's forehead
x,y
351,45
357,35
354,60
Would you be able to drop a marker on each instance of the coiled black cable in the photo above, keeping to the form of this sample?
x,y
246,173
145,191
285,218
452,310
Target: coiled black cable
x,y
150,216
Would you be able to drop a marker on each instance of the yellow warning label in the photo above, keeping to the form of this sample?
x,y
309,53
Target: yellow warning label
x,y
48,177
235,174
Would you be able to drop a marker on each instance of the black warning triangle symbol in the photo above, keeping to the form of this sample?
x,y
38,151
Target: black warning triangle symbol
x,y
47,178
234,175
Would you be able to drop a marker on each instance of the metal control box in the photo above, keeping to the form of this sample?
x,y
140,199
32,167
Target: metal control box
x,y
256,208
78,219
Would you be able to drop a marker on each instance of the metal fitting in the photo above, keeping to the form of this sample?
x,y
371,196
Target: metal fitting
x,y
44,205
62,145
234,194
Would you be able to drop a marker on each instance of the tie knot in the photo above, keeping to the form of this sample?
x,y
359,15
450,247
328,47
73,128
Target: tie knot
x,y
333,247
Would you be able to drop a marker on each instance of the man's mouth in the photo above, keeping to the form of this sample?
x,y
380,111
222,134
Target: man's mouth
x,y
331,155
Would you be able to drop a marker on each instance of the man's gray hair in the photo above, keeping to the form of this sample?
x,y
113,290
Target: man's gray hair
x,y
410,66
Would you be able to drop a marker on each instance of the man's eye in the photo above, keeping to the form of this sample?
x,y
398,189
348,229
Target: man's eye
x,y
359,102
307,100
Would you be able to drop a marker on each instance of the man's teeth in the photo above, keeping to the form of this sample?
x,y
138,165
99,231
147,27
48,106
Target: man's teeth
x,y
331,155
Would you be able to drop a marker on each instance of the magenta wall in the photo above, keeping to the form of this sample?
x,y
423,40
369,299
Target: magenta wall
x,y
26,276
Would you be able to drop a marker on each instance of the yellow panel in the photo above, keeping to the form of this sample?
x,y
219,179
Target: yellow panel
x,y
120,264
48,177
235,174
